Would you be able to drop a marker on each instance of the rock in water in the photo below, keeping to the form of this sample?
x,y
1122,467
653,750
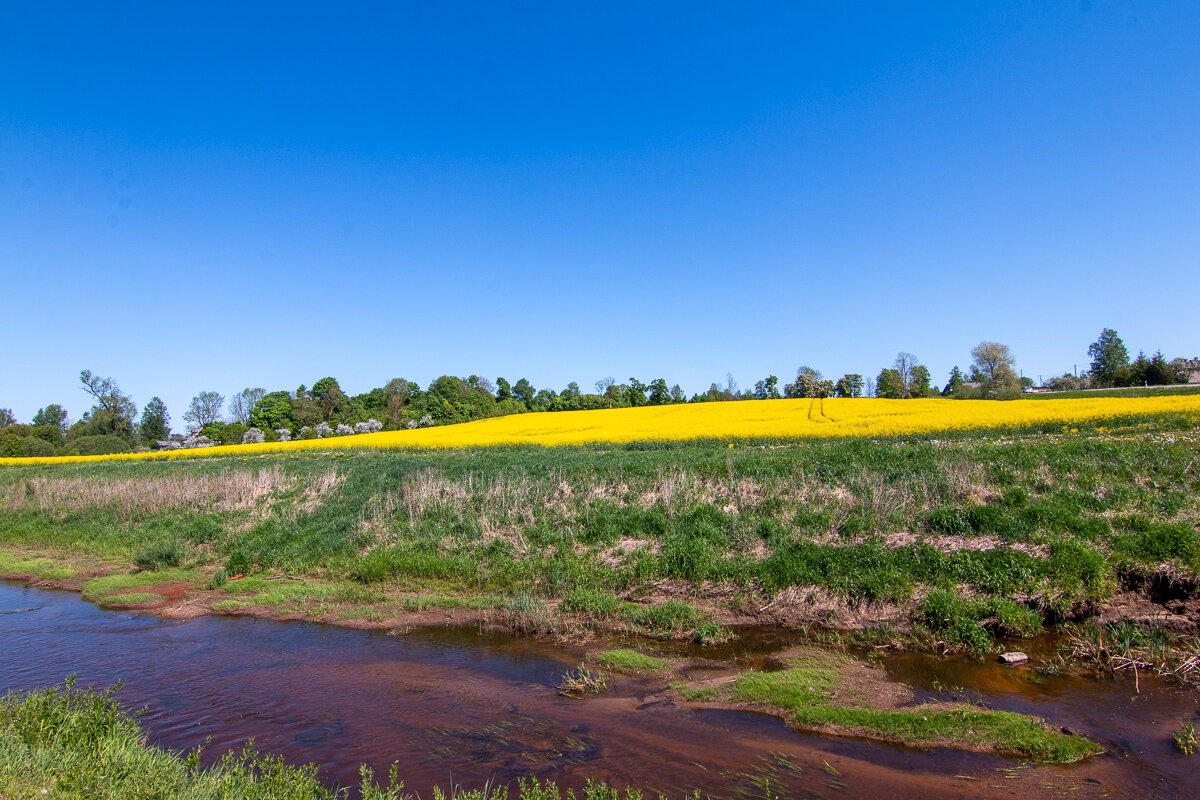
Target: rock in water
x,y
1014,657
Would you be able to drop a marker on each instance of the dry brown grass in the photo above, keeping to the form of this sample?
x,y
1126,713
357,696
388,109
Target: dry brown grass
x,y
136,497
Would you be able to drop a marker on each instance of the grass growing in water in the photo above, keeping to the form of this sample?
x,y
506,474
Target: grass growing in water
x,y
830,692
582,682
625,660
1187,741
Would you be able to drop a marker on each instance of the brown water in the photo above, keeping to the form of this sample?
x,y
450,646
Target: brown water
x,y
467,707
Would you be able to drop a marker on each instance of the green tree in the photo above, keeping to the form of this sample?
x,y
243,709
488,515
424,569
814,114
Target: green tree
x,y
523,392
329,397
273,411
890,384
918,382
849,385
767,388
805,385
155,424
955,384
635,393
660,395
1110,359
1159,372
114,411
53,414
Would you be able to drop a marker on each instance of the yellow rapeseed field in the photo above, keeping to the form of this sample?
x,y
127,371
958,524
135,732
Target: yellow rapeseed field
x,y
751,419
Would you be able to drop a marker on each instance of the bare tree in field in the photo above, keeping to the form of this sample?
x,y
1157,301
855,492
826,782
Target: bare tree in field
x,y
994,361
241,404
905,364
204,409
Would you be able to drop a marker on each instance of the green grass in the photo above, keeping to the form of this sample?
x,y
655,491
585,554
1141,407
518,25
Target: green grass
x,y
80,744
293,593
672,618
98,588
427,601
45,569
591,603
129,599
1063,520
805,692
631,661
227,606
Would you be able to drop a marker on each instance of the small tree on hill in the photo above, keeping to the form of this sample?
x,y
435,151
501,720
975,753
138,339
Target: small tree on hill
x,y
1110,359
155,424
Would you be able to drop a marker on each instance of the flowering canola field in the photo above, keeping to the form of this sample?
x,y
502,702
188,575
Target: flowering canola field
x,y
750,419
783,419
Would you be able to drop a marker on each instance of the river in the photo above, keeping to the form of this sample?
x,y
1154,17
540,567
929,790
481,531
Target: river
x,y
467,707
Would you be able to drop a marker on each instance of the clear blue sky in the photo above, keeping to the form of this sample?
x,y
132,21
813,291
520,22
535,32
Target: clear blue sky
x,y
209,196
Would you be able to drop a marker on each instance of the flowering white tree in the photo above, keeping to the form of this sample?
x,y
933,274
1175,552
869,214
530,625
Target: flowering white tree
x,y
307,432
284,434
198,440
323,430
253,436
370,426
344,430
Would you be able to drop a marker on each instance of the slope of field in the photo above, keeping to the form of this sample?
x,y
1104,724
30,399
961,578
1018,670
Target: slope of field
x,y
749,420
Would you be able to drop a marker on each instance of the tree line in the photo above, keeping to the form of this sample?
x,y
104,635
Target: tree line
x,y
112,423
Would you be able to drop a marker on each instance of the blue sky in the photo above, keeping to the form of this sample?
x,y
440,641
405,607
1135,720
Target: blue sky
x,y
205,196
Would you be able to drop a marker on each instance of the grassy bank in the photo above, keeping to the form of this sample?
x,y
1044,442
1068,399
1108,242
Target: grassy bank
x,y
818,690
962,538
71,744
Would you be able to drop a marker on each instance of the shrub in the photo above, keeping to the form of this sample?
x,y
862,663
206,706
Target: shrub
x,y
306,432
159,556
